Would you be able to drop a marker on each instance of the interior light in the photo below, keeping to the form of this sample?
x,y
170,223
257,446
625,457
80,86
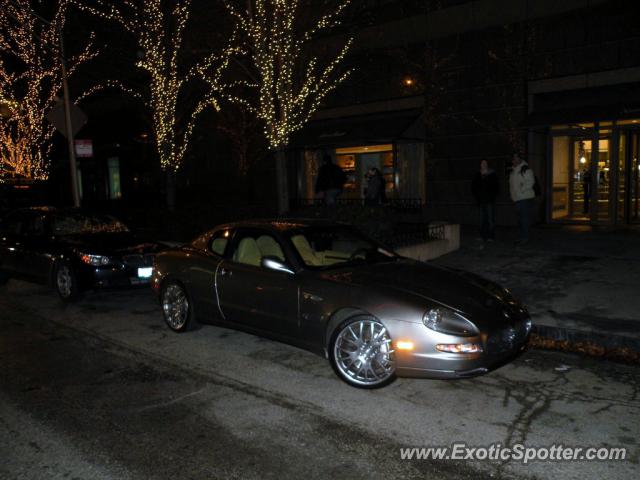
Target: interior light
x,y
404,345
583,160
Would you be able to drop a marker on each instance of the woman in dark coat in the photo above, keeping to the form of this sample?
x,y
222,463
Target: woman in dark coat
x,y
485,188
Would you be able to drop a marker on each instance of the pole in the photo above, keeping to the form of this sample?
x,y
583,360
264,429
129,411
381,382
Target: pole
x,y
67,120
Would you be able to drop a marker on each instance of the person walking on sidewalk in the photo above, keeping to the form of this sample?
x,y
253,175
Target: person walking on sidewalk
x,y
485,190
521,187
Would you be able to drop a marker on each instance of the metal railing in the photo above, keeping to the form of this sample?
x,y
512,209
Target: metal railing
x,y
400,204
413,234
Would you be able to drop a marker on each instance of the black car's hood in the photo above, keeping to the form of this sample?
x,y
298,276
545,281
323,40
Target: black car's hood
x,y
471,295
109,243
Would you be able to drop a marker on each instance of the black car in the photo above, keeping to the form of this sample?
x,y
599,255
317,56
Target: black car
x,y
73,250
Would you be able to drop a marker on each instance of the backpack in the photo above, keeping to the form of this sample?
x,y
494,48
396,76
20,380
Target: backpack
x,y
537,191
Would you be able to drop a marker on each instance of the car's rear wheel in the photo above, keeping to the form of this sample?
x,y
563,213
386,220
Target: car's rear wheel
x,y
361,353
65,281
177,307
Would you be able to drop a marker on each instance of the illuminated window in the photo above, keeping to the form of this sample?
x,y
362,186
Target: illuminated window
x,y
113,165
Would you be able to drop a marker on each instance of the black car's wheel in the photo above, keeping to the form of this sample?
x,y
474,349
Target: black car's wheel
x,y
177,307
65,281
361,353
4,277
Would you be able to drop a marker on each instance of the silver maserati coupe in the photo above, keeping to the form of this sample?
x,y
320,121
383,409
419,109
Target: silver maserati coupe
x,y
326,287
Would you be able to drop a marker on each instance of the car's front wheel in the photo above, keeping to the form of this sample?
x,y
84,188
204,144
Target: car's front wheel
x,y
361,353
65,281
177,307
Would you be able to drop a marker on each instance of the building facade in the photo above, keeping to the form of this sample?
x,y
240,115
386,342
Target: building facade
x,y
441,85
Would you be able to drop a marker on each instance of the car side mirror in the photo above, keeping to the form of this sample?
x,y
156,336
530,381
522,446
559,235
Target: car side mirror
x,y
274,263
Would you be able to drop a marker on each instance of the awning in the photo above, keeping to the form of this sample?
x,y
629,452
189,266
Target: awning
x,y
611,102
371,129
582,115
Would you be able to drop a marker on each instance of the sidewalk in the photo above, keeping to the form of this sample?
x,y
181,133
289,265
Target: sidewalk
x,y
580,285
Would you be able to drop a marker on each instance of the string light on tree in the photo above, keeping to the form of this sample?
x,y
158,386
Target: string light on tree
x,y
30,83
158,30
291,83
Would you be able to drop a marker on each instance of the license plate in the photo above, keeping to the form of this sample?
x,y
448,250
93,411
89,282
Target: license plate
x,y
145,272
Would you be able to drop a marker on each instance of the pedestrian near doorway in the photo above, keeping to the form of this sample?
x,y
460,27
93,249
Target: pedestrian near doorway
x,y
521,187
485,189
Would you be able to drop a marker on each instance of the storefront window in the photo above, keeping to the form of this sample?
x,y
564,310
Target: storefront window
x,y
402,166
355,161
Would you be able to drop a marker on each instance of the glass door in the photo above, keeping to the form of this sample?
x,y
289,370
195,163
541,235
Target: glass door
x,y
634,178
604,189
629,196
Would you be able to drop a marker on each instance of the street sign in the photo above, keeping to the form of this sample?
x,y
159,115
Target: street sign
x,y
56,118
84,148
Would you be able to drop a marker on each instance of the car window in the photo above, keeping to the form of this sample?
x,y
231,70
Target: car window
x,y
218,242
12,224
36,225
79,223
320,247
251,247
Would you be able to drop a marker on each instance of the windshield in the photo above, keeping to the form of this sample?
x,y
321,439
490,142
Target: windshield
x,y
324,247
80,223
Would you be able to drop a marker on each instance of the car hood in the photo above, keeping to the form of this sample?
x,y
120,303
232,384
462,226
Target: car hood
x,y
476,298
110,243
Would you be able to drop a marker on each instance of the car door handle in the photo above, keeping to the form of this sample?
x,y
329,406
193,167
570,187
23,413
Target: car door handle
x,y
225,272
311,297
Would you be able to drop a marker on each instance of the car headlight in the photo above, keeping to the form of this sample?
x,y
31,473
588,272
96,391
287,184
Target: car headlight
x,y
94,260
447,321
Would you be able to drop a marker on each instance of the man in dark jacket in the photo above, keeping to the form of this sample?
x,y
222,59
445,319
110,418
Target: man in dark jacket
x,y
331,179
485,188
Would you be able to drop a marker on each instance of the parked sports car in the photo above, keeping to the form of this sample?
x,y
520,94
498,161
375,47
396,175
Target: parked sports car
x,y
72,250
326,287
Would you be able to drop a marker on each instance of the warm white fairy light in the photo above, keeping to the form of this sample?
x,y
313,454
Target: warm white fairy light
x,y
291,86
158,31
30,82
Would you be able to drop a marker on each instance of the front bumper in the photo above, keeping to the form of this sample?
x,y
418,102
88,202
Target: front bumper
x,y
110,276
425,361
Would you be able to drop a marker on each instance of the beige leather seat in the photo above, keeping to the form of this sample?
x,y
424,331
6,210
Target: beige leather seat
x,y
248,252
269,247
305,250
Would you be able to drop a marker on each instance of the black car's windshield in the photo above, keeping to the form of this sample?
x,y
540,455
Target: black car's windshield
x,y
322,247
82,223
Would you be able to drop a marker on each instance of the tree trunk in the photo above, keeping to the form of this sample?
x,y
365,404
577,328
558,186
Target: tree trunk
x,y
171,191
281,181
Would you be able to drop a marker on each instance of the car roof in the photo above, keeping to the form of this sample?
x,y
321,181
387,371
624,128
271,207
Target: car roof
x,y
280,224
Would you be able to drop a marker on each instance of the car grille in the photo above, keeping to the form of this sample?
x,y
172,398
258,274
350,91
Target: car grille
x,y
507,338
138,260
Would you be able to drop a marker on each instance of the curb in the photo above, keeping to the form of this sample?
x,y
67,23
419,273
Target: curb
x,y
585,342
580,336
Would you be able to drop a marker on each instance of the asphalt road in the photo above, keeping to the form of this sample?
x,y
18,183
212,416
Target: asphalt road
x,y
102,389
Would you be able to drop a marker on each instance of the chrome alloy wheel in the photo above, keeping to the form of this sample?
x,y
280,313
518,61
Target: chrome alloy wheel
x,y
363,354
64,281
175,306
